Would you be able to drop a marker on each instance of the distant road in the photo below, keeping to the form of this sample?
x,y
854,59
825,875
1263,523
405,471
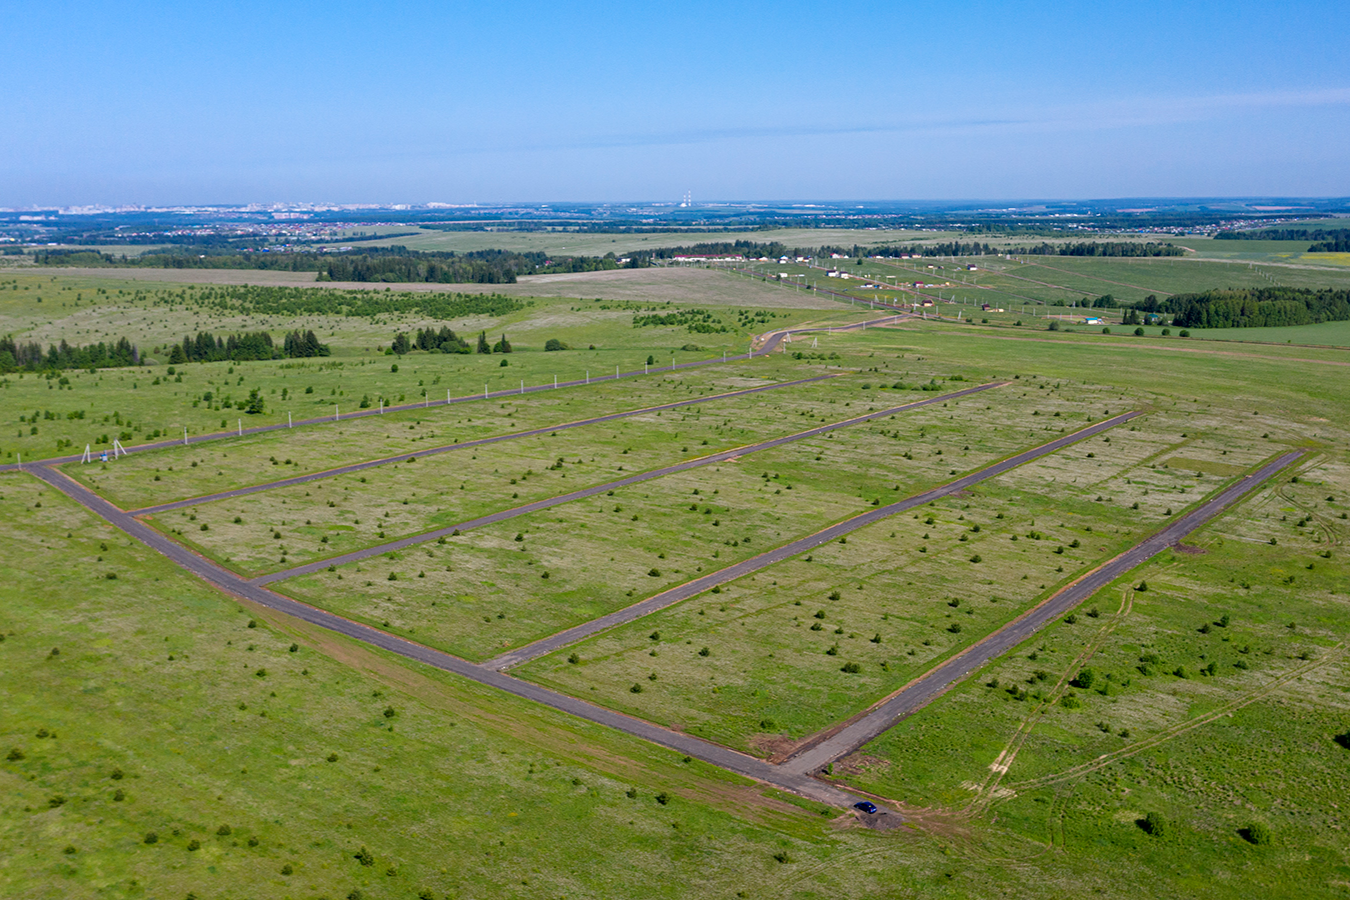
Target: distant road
x,y
841,740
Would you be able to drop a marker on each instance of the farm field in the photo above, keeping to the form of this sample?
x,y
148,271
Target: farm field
x,y
1203,690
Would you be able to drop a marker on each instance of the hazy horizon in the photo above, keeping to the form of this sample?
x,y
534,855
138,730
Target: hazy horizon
x,y
344,103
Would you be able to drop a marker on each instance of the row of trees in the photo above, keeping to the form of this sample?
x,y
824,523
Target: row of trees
x,y
251,300
446,341
206,347
31,357
1285,234
395,264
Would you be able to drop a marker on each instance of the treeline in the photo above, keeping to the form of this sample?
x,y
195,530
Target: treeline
x,y
446,341
395,264
1338,244
292,301
1083,248
206,347
429,339
1255,307
1285,234
31,357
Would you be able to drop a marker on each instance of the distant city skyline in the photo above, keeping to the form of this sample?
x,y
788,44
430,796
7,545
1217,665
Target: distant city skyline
x,y
163,104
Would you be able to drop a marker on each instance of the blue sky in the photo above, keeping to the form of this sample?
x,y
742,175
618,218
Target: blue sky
x,y
408,102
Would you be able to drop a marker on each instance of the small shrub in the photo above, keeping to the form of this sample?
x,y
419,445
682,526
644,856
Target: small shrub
x,y
14,755
389,712
332,757
364,857
850,668
782,856
663,798
287,870
1257,833
223,830
705,652
151,838
194,844
1156,824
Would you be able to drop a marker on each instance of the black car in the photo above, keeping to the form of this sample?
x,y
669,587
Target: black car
x,y
866,806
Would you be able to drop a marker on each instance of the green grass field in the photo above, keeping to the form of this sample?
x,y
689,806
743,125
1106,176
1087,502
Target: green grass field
x,y
264,753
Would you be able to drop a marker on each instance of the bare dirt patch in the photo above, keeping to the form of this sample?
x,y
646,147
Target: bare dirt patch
x,y
1188,549
776,747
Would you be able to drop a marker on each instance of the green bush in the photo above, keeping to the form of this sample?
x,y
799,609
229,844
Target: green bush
x,y
1156,824
1257,833
554,344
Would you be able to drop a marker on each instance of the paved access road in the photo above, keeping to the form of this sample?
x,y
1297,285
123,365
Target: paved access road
x,y
740,763
771,343
840,741
791,549
549,502
466,445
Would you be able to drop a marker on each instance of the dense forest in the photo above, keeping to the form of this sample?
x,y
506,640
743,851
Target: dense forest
x,y
1255,307
1336,242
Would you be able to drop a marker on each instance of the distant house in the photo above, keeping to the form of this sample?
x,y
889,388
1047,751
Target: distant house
x,y
1092,320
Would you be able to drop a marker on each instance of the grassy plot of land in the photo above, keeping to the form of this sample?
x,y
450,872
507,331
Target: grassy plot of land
x,y
503,585
235,462
902,595
436,491
1211,699
263,759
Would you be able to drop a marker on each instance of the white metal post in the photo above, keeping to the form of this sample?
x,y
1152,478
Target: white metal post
x,y
241,427
485,392
555,382
289,422
184,435
522,385
335,412
88,457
